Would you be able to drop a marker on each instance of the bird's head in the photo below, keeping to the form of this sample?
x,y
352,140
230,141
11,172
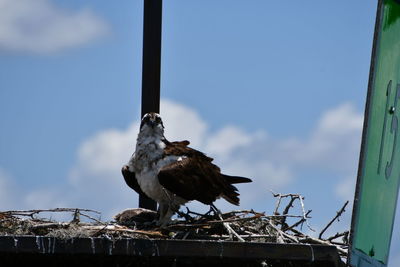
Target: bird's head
x,y
152,123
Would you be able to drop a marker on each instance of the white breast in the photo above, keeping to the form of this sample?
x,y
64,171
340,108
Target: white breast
x,y
146,163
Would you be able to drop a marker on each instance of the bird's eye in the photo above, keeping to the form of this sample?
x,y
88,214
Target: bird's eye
x,y
159,121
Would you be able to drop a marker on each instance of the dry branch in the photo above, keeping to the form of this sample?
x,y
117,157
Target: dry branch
x,y
282,226
338,213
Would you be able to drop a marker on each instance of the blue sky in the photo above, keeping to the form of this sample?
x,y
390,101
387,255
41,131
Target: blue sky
x,y
274,90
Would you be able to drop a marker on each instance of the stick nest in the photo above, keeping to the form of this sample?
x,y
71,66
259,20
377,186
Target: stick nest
x,y
240,225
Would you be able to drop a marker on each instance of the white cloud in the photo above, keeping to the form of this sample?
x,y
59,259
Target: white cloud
x,y
345,188
338,135
182,122
335,142
101,157
340,121
108,149
96,182
271,164
41,27
226,140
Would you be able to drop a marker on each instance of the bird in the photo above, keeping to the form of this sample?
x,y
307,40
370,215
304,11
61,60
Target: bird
x,y
172,173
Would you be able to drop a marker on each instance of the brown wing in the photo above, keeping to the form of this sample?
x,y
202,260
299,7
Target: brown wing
x,y
195,177
130,180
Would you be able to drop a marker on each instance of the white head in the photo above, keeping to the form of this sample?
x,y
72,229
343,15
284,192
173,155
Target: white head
x,y
151,124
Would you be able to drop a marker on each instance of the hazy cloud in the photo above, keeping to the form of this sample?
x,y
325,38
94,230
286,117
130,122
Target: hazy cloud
x,y
236,151
346,187
226,140
333,144
40,26
101,157
182,122
95,180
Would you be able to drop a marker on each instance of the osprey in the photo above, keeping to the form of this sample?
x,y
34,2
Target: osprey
x,y
172,173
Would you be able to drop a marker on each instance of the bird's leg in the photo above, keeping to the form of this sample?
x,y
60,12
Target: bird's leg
x,y
165,214
162,210
166,219
160,213
169,210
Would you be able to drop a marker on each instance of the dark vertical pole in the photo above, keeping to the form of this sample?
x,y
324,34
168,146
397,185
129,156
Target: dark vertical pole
x,y
151,69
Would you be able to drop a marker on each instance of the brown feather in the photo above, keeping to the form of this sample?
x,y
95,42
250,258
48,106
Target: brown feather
x,y
130,180
195,177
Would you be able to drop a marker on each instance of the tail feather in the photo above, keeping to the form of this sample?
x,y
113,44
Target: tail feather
x,y
236,179
231,192
232,199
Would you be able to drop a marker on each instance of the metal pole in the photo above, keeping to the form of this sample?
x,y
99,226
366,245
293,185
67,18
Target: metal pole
x,y
151,69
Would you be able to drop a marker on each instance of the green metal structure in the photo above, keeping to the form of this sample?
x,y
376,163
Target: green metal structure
x,y
379,168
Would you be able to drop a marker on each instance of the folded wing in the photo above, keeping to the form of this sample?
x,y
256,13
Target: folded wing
x,y
195,177
130,180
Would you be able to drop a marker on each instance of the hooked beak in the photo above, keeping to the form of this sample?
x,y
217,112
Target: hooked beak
x,y
151,123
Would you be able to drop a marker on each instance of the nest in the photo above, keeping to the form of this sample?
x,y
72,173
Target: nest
x,y
238,225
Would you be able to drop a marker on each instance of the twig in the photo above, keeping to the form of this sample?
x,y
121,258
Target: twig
x,y
281,233
297,223
338,213
119,228
90,217
76,218
205,215
186,215
337,235
286,210
226,225
76,212
293,197
30,213
280,196
304,213
239,225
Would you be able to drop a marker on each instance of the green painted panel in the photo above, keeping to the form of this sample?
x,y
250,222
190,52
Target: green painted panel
x,y
379,173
